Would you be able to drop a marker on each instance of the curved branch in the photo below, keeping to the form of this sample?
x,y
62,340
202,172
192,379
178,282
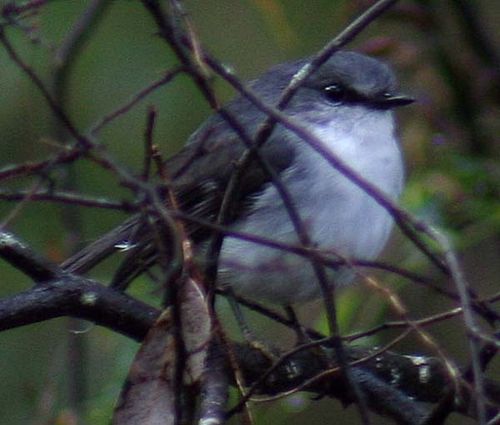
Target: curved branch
x,y
388,380
82,298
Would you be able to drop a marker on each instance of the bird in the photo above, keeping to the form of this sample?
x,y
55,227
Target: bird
x,y
347,104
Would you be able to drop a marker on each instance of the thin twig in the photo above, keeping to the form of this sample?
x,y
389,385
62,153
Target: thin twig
x,y
71,198
83,141
149,142
142,94
470,323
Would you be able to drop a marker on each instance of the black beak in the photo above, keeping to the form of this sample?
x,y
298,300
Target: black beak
x,y
389,100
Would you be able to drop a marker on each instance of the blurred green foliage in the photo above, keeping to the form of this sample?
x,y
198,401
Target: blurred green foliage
x,y
452,151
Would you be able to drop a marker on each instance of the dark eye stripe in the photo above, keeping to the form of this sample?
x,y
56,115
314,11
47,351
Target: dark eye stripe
x,y
335,92
340,94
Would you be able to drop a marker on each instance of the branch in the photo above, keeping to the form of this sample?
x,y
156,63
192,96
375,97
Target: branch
x,y
390,382
82,298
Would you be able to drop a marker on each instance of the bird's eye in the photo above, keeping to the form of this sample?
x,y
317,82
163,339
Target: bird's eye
x,y
335,92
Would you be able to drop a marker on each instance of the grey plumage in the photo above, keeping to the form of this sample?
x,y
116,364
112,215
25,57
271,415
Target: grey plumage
x,y
347,104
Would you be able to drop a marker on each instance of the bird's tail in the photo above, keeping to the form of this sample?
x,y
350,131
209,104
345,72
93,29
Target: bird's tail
x,y
121,238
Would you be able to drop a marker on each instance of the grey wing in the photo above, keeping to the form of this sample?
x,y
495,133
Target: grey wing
x,y
202,170
200,174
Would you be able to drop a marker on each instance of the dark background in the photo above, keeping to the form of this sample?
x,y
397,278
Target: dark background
x,y
450,139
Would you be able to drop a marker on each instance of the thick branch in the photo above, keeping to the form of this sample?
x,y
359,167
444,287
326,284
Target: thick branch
x,y
388,380
78,297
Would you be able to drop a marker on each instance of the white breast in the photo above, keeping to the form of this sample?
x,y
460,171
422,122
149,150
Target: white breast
x,y
338,215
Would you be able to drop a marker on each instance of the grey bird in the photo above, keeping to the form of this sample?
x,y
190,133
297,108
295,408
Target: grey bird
x,y
348,104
